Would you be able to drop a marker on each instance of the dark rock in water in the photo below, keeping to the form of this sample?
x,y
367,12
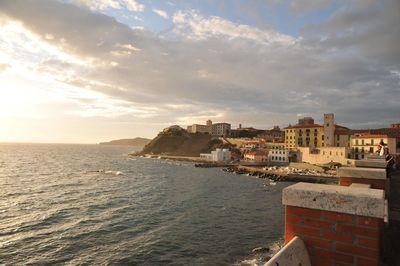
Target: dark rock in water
x,y
260,250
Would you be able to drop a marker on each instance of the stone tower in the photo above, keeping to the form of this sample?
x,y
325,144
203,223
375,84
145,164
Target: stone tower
x,y
329,130
209,125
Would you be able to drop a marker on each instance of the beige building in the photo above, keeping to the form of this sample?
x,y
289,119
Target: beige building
x,y
216,130
256,156
323,155
365,144
220,129
197,128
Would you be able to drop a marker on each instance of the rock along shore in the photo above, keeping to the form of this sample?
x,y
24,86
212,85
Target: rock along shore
x,y
249,170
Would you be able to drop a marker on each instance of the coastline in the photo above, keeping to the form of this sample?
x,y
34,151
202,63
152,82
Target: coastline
x,y
237,168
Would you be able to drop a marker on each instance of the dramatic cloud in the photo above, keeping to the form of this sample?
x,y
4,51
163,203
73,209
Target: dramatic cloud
x,y
211,67
193,25
161,13
131,5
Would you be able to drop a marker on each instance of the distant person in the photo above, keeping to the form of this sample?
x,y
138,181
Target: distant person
x,y
383,151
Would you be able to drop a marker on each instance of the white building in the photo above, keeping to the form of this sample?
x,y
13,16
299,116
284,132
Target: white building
x,y
279,155
218,155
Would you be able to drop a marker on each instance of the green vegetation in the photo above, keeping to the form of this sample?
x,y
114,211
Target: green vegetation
x,y
181,143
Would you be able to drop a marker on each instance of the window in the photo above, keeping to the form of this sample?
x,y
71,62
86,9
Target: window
x,y
372,142
356,149
357,142
371,150
362,142
327,124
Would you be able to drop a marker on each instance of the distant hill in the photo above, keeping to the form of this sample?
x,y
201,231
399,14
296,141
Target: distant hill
x,y
177,141
128,142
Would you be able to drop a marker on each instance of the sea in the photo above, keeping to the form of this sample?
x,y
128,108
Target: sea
x,y
63,204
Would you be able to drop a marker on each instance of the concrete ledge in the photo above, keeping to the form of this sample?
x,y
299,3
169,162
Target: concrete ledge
x,y
372,163
367,173
358,185
293,254
357,201
374,156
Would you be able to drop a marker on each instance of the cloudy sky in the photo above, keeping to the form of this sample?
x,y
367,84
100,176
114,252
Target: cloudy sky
x,y
85,71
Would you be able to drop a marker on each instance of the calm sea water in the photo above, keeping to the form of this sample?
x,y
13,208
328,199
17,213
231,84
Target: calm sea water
x,y
92,204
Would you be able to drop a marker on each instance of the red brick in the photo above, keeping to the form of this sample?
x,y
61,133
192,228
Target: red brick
x,y
303,212
369,221
338,217
367,262
289,236
378,184
317,242
346,238
320,261
329,255
293,219
344,183
300,230
368,242
317,224
356,250
357,230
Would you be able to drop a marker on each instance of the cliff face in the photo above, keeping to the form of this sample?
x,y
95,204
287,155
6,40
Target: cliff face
x,y
179,142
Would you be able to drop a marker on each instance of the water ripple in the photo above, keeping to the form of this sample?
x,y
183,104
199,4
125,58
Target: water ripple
x,y
91,204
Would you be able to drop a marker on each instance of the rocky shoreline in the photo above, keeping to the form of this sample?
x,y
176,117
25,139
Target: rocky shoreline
x,y
235,168
277,176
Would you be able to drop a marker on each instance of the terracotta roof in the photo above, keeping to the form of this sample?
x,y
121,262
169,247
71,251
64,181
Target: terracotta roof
x,y
303,126
370,136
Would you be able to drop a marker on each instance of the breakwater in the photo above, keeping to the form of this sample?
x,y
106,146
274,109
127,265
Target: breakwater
x,y
280,176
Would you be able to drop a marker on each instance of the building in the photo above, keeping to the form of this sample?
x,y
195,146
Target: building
x,y
279,155
273,135
256,156
216,130
304,134
197,128
365,144
308,134
323,155
220,129
329,130
392,132
219,155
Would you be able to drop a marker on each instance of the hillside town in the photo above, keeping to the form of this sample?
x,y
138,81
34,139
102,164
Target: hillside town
x,y
305,142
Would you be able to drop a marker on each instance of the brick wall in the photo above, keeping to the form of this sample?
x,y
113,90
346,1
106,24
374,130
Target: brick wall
x,y
375,183
334,238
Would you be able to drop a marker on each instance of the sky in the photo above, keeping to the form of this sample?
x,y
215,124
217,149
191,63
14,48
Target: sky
x,y
85,71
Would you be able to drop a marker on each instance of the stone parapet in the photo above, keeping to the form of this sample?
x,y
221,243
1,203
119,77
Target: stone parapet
x,y
371,163
373,176
339,225
351,200
368,173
